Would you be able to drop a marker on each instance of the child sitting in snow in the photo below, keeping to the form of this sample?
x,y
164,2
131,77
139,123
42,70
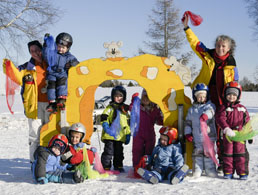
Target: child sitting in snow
x,y
202,110
233,116
74,154
166,160
116,130
145,138
46,167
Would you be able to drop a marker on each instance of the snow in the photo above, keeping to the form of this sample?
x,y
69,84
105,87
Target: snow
x,y
16,178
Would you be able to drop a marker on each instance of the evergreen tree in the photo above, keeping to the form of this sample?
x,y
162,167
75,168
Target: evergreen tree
x,y
165,30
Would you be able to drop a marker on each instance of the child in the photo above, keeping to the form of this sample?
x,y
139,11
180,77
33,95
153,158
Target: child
x,y
46,167
233,116
201,110
74,154
145,139
218,68
166,160
58,73
116,130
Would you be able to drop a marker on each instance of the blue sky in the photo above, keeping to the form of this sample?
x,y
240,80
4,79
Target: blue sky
x,y
91,23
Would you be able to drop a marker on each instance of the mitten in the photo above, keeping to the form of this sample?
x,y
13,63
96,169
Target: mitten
x,y
42,180
127,139
204,117
189,137
66,156
229,132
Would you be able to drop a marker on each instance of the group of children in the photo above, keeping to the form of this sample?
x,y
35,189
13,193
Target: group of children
x,y
165,161
57,162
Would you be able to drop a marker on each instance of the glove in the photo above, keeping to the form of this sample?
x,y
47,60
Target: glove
x,y
135,95
127,139
106,128
229,132
68,65
204,117
93,149
189,137
42,180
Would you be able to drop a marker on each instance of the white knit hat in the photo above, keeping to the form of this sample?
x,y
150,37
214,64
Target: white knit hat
x,y
200,91
231,90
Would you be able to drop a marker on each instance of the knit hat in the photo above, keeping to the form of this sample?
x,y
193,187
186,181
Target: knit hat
x,y
231,90
200,91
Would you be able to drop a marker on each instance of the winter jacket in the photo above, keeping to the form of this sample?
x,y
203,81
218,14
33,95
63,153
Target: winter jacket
x,y
234,116
164,157
223,74
192,122
59,70
148,118
31,92
109,115
46,164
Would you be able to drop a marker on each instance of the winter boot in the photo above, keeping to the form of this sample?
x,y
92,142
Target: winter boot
x,y
179,176
61,102
78,178
52,107
243,177
228,176
148,175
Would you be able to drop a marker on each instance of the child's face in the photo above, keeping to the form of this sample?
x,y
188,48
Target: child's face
x,y
163,140
56,150
201,97
75,137
222,48
145,100
61,49
118,98
231,97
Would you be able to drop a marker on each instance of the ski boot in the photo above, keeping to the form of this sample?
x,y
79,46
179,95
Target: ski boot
x,y
179,176
148,175
52,107
61,102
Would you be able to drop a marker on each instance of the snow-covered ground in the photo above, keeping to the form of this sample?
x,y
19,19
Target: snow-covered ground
x,y
16,178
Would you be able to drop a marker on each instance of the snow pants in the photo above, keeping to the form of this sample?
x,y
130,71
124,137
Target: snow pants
x,y
141,147
35,126
112,149
235,157
57,86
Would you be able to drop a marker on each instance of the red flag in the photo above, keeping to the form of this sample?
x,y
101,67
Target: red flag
x,y
196,20
10,85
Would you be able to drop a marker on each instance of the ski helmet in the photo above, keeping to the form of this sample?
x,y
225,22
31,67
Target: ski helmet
x,y
198,88
77,127
234,87
170,132
64,39
120,89
59,140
